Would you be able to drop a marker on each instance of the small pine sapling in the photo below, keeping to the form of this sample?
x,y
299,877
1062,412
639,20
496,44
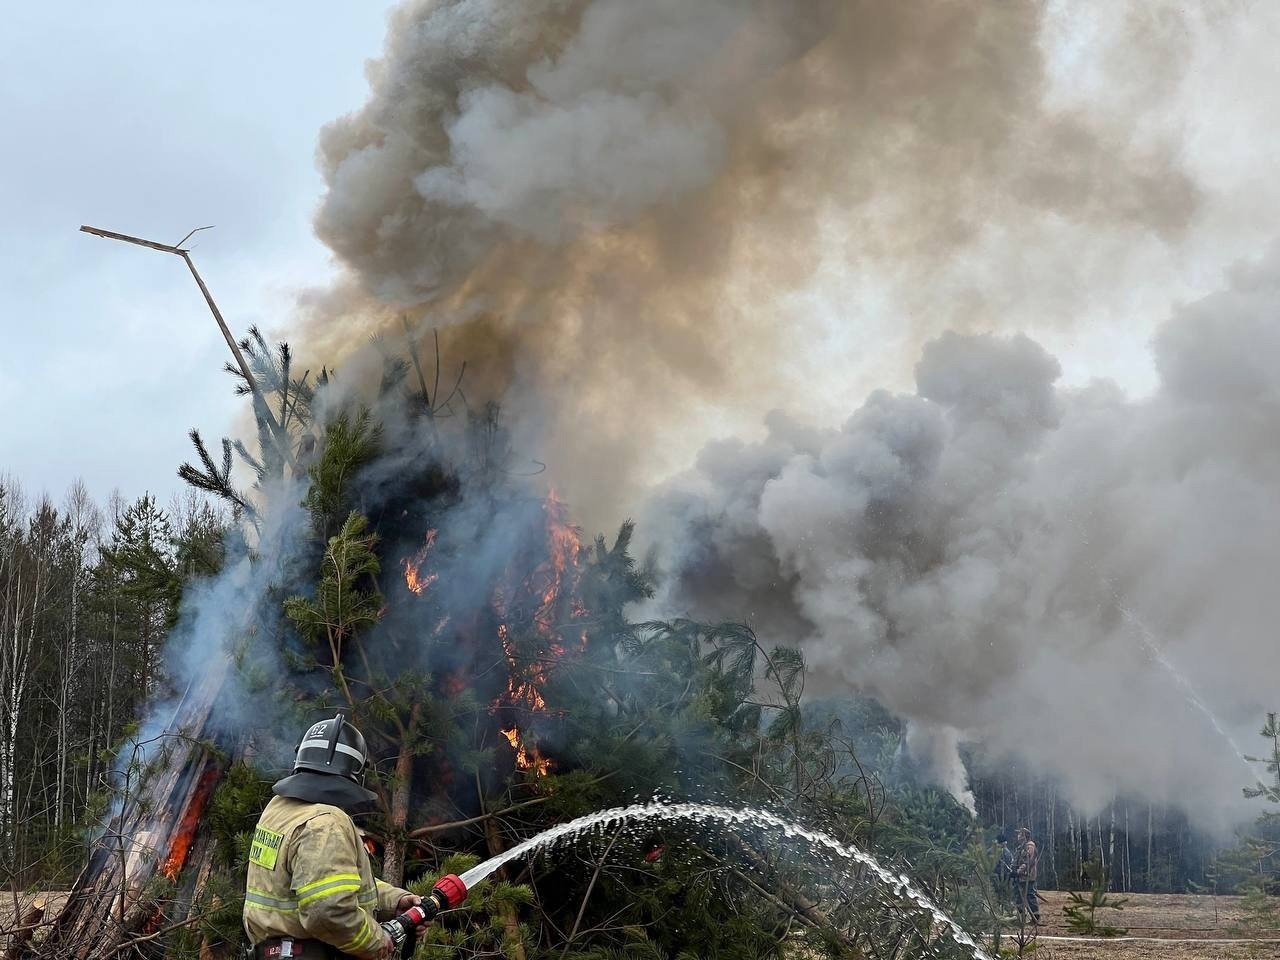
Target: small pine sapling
x,y
1082,910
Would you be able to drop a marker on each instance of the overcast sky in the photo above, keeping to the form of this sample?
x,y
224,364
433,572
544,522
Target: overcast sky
x,y
152,118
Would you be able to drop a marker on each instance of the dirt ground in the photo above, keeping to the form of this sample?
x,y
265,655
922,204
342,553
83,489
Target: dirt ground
x,y
16,906
1160,927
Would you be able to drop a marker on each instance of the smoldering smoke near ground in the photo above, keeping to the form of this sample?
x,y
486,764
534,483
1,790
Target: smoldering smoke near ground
x,y
619,211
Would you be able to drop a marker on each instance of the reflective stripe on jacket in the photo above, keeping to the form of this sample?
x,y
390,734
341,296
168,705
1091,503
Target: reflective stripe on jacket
x,y
310,878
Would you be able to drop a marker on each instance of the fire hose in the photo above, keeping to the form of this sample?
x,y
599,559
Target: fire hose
x,y
448,893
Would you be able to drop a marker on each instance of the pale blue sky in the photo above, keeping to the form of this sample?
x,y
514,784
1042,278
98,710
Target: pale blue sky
x,y
151,118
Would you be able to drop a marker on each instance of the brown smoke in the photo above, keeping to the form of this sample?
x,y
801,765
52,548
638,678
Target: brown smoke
x,y
616,207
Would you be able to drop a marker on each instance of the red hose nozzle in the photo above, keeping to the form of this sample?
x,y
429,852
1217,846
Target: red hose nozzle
x,y
449,891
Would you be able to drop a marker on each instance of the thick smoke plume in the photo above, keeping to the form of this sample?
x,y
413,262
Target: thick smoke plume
x,y
1068,576
616,205
648,222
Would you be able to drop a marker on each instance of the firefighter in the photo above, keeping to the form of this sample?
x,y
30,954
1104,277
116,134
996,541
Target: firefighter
x,y
311,892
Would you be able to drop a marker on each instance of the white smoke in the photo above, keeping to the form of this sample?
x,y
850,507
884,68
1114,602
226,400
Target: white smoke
x,y
969,554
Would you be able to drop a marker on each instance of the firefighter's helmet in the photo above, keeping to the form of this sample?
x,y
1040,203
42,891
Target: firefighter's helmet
x,y
333,746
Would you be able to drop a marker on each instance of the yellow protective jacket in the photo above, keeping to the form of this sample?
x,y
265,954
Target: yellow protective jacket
x,y
310,878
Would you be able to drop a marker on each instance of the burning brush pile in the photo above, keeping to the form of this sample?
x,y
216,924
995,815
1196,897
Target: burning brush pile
x,y
457,615
455,611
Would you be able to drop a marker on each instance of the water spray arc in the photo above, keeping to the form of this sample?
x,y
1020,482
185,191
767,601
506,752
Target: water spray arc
x,y
703,813
1153,648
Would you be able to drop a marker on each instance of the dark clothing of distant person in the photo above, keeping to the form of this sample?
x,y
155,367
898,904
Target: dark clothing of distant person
x,y
1002,875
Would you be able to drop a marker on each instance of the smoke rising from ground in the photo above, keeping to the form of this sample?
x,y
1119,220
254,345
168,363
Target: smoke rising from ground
x,y
610,205
975,554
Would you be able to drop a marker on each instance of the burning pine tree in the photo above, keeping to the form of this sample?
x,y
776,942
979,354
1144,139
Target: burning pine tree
x,y
487,618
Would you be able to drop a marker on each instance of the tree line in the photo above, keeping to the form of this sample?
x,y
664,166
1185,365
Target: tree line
x,y
88,593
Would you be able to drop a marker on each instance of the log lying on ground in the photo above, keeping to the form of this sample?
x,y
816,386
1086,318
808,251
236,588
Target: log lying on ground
x,y
28,923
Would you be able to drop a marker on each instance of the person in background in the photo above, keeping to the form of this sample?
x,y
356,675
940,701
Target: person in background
x,y
1025,872
1002,873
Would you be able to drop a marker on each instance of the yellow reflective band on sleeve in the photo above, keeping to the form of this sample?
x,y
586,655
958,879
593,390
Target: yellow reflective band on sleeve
x,y
362,941
325,881
329,891
263,901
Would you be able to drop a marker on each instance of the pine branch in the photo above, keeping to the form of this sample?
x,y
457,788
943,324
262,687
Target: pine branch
x,y
250,460
213,478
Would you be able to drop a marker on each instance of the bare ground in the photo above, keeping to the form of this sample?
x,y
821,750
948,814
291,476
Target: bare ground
x,y
16,909
1159,927
1171,927
16,904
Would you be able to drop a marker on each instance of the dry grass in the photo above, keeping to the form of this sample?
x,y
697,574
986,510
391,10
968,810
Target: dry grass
x,y
1167,915
1154,951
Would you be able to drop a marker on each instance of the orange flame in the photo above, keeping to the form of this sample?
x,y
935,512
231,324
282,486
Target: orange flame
x,y
527,759
523,681
185,835
414,578
415,582
565,549
550,589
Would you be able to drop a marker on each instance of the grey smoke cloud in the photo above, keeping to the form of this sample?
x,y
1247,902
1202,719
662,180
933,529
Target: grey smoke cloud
x,y
607,204
984,554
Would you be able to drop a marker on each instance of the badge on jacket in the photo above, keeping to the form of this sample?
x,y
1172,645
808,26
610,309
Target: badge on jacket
x,y
266,848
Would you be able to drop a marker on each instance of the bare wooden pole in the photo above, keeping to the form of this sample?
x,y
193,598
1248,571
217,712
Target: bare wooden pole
x,y
180,251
